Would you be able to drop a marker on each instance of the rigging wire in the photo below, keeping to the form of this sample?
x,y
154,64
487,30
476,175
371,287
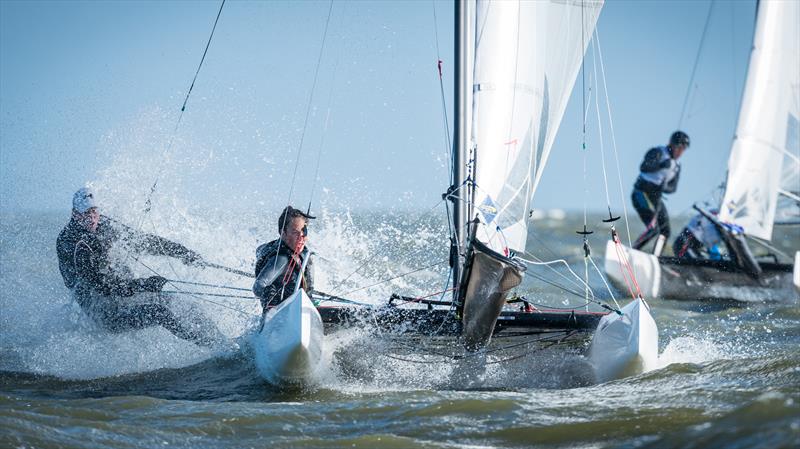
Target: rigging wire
x,y
194,295
600,129
566,278
148,200
303,133
603,278
327,114
218,295
378,253
564,262
556,285
696,62
557,337
148,203
395,277
445,119
613,137
628,272
201,284
308,106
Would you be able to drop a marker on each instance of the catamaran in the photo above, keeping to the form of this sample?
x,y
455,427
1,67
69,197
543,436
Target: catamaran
x,y
762,187
516,65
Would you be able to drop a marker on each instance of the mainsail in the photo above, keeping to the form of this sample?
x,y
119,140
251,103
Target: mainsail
x,y
527,56
763,184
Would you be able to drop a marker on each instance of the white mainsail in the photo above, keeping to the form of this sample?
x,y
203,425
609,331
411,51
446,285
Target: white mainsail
x,y
527,56
763,184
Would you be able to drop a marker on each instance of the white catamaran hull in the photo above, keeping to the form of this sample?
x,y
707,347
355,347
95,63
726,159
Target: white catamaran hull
x,y
288,349
796,274
682,279
625,344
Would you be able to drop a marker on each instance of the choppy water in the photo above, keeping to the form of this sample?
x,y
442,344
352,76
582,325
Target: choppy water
x,y
729,376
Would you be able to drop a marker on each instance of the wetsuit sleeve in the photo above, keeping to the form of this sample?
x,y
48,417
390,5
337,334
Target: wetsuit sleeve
x,y
65,262
273,269
652,161
88,269
153,244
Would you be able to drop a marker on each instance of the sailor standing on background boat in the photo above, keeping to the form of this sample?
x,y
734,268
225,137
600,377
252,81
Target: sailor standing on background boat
x,y
278,262
103,286
659,173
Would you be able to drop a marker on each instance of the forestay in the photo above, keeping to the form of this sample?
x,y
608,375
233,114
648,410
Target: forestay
x,y
527,56
763,184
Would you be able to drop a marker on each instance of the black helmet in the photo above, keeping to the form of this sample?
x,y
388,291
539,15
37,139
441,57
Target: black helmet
x,y
290,213
679,138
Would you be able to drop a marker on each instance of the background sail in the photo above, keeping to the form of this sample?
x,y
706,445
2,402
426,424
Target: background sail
x,y
763,170
527,56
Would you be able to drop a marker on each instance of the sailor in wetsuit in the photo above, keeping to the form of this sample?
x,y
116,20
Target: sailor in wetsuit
x,y
659,173
274,282
104,287
700,239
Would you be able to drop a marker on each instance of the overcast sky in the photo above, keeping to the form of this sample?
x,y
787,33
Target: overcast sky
x,y
91,92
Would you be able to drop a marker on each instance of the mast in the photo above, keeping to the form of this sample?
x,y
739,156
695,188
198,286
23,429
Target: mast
x,y
463,107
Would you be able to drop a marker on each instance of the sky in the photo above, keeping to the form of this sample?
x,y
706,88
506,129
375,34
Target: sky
x,y
91,92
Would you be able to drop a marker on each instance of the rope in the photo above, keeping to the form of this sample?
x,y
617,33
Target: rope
x,y
603,278
148,203
220,295
393,278
620,256
585,283
554,255
194,295
420,298
331,298
287,276
209,285
378,253
564,262
552,339
555,284
546,307
625,265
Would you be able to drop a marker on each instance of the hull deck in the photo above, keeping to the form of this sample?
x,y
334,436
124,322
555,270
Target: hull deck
x,y
443,322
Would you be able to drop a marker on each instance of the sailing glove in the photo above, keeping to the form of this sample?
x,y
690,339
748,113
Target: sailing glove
x,y
152,284
192,258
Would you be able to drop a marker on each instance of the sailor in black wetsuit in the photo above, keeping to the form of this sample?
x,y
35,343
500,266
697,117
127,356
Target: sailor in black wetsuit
x,y
274,282
659,173
700,239
104,287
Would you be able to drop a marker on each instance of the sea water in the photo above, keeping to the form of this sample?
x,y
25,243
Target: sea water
x,y
729,375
